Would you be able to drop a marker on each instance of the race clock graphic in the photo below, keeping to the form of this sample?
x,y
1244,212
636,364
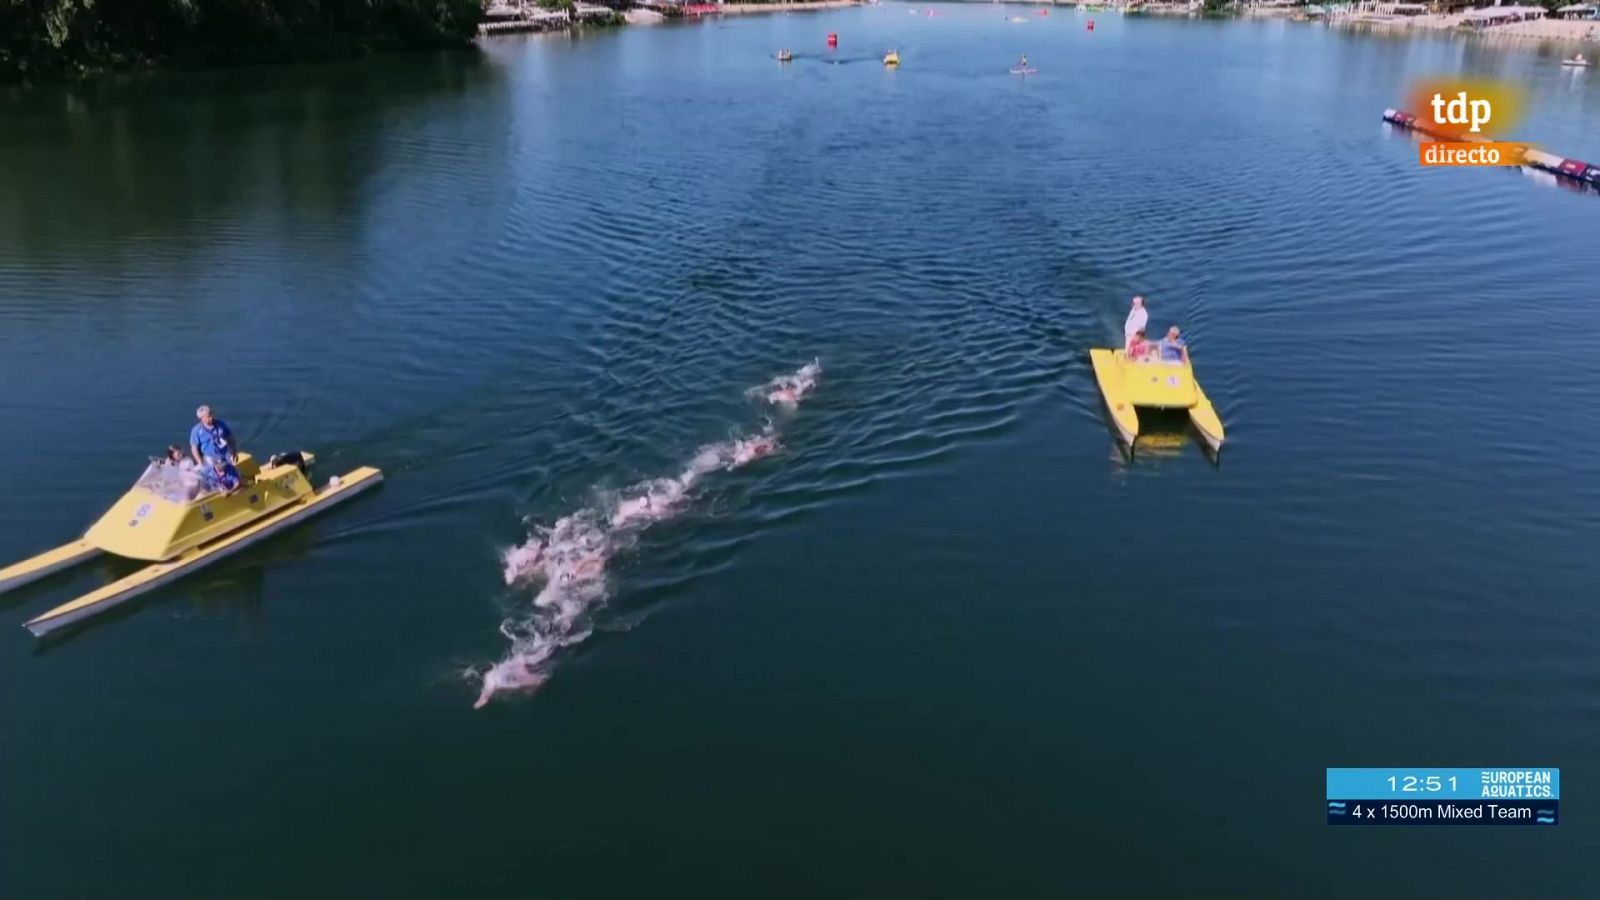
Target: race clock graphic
x,y
1444,796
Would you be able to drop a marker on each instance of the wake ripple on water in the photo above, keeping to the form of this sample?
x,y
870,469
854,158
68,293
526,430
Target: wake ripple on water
x,y
567,560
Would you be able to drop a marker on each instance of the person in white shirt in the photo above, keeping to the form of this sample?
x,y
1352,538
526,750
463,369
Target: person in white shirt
x,y
188,472
1137,318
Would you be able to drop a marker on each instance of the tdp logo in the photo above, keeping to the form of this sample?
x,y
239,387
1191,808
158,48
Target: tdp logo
x,y
1462,111
1469,107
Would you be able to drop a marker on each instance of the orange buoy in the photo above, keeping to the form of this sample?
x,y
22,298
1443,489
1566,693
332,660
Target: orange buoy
x,y
1091,24
833,39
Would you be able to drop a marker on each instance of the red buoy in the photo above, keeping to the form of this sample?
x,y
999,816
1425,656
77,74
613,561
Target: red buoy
x,y
833,39
1091,24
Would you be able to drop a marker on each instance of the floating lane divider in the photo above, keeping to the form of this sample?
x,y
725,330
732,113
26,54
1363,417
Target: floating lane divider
x,y
1575,169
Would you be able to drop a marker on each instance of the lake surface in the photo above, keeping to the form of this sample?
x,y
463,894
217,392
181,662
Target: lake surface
x,y
948,641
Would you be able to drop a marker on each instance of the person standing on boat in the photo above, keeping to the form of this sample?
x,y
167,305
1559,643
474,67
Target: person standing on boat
x,y
211,439
1137,319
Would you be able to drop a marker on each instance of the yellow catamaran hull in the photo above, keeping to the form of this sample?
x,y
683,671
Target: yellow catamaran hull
x,y
183,531
1153,384
46,564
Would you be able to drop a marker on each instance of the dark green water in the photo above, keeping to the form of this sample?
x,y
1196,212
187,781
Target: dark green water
x,y
947,642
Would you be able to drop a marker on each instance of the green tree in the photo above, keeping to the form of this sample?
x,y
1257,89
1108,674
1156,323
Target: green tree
x,y
50,38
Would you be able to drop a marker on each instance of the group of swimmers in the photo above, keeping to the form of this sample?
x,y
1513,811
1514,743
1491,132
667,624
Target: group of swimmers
x,y
1137,348
209,464
575,549
569,559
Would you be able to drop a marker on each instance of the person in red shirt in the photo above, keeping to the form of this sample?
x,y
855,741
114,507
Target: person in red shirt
x,y
1137,347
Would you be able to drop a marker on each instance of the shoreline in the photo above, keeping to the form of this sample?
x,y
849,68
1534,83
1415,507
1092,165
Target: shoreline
x,y
1540,31
739,9
1565,31
545,20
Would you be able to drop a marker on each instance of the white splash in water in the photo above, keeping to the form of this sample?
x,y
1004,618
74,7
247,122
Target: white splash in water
x,y
788,390
568,559
748,450
514,673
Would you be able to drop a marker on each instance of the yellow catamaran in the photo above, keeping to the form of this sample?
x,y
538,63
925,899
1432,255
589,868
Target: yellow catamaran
x,y
169,519
1129,384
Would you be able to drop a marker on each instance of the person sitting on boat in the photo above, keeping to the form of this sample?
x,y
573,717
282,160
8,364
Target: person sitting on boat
x,y
1137,318
211,438
222,477
189,474
1138,348
176,458
1023,62
1172,347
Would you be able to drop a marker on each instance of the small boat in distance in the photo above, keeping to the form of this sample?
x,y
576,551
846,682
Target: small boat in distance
x,y
892,59
171,519
1576,61
785,56
1128,385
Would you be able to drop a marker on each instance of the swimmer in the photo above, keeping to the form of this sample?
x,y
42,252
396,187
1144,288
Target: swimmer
x,y
579,560
523,561
788,390
661,495
667,492
629,510
585,569
752,449
513,674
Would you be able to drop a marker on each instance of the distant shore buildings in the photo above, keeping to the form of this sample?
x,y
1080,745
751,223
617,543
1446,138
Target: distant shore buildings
x,y
502,16
1576,21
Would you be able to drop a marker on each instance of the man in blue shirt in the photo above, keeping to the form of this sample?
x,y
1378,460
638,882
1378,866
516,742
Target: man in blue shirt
x,y
222,476
211,439
1173,349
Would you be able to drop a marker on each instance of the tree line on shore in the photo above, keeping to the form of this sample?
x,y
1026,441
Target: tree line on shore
x,y
44,39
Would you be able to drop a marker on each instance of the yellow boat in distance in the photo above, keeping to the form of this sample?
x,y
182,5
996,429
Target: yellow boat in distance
x,y
168,519
1128,385
892,59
